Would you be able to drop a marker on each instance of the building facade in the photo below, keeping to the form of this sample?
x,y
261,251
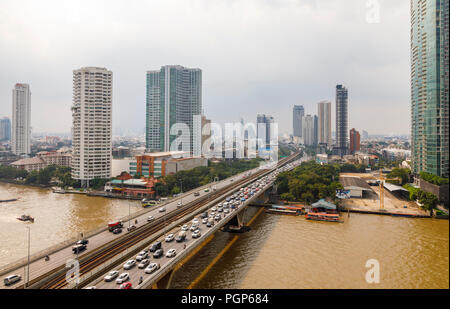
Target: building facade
x,y
429,86
355,141
308,130
265,131
21,120
92,124
174,105
298,113
341,146
5,129
324,123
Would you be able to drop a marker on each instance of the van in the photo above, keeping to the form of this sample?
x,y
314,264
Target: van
x,y
11,279
181,236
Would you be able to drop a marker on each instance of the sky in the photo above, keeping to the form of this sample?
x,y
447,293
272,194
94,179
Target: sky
x,y
256,56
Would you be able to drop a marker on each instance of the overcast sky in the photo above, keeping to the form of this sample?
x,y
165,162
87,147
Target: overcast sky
x,y
257,56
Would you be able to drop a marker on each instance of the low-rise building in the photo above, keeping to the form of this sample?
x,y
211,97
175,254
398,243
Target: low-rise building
x,y
30,164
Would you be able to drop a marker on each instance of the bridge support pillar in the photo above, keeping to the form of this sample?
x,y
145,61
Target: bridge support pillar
x,y
164,282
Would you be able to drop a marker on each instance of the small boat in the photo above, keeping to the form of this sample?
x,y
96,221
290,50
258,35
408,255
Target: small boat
x,y
26,218
61,191
10,200
236,229
322,216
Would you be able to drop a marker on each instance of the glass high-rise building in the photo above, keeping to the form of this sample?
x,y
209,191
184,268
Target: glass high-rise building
x,y
341,147
297,116
174,105
429,86
5,129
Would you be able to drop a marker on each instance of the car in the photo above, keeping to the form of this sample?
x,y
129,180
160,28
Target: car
x,y
111,275
171,253
209,224
196,234
205,220
213,209
129,264
158,253
195,221
220,209
117,231
206,190
170,237
150,218
217,218
143,263
226,211
122,278
162,209
92,287
204,215
78,248
126,286
179,204
11,279
141,256
131,228
197,194
82,242
152,268
181,236
193,228
155,246
185,227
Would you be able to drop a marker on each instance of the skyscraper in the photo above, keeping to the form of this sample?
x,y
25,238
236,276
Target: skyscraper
x,y
92,124
341,147
324,123
355,141
308,130
265,130
5,129
297,113
174,102
21,119
429,86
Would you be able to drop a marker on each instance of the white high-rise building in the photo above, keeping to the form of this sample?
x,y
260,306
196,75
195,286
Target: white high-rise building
x,y
324,123
92,124
21,118
308,130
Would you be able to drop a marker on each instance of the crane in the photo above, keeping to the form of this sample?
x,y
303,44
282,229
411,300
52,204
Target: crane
x,y
381,178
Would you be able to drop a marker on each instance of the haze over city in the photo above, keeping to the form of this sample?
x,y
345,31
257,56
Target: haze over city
x,y
256,56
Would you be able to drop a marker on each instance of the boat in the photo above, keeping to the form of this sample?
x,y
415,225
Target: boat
x,y
322,216
26,218
61,191
236,229
282,211
10,200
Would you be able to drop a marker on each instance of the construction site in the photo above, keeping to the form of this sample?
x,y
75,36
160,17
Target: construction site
x,y
369,193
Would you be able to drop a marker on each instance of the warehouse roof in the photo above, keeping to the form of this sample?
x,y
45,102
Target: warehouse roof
x,y
355,182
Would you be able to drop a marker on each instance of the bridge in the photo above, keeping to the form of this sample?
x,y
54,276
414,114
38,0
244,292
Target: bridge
x,y
107,251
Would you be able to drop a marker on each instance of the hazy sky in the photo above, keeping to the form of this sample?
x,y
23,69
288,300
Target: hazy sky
x,y
257,56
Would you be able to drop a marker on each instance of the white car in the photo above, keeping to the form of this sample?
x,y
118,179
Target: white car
x,y
162,209
143,263
129,264
193,228
122,278
150,218
170,237
111,275
141,256
226,210
196,234
195,221
214,209
180,203
205,220
171,253
185,227
151,268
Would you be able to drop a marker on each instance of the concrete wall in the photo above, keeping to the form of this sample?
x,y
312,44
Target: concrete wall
x,y
440,191
174,166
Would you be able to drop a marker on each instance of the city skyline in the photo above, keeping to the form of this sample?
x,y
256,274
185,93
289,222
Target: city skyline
x,y
274,88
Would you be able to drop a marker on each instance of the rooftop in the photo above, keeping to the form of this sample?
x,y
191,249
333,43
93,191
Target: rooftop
x,y
353,181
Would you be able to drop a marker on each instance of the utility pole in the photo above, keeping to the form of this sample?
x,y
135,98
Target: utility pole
x,y
28,267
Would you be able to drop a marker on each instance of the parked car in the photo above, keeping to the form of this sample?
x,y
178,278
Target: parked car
x,y
152,268
11,279
144,263
129,264
155,246
158,253
171,253
126,286
111,275
122,278
170,237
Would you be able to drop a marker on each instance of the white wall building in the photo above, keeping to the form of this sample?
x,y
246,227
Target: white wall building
x,y
21,119
92,124
324,123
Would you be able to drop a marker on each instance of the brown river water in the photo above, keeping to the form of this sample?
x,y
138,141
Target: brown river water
x,y
279,251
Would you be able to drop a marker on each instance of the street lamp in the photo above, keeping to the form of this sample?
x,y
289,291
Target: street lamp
x,y
28,267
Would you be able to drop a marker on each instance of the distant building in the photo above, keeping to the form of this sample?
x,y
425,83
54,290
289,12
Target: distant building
x,y
324,123
60,158
355,141
308,130
206,130
5,129
30,164
297,116
364,135
121,152
341,146
92,124
265,131
21,120
430,86
174,102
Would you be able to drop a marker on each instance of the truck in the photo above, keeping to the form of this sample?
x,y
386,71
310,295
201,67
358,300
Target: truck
x,y
114,225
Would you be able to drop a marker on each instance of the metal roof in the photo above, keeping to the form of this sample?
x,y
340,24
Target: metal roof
x,y
392,187
354,182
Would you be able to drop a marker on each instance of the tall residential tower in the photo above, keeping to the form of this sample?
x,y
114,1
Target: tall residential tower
x,y
297,113
92,124
324,123
341,146
429,86
174,105
21,118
